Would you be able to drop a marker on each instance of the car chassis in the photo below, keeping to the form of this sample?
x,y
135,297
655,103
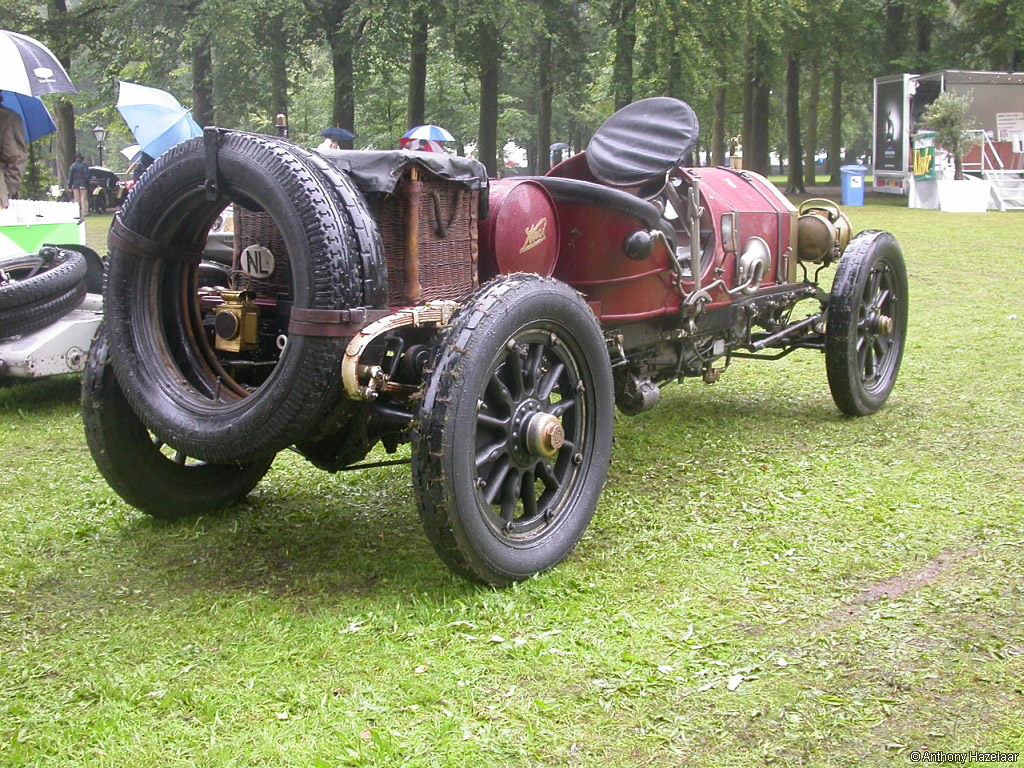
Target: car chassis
x,y
400,297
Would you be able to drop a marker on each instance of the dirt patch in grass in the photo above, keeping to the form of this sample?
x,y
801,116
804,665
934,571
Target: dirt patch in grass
x,y
892,588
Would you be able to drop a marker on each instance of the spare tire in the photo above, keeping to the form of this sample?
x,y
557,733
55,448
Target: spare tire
x,y
342,438
39,314
182,388
374,273
166,487
33,281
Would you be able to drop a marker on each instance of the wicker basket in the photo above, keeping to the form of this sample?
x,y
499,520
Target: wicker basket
x,y
259,229
429,230
433,220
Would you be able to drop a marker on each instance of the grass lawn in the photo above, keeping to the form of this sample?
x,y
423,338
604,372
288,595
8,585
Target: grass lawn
x,y
765,581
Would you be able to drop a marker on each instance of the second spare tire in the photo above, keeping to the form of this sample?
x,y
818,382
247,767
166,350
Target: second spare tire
x,y
38,289
178,384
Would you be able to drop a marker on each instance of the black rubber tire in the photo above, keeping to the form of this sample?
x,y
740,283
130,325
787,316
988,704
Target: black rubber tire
x,y
94,266
66,274
32,317
165,372
861,361
461,454
342,438
23,265
373,264
134,465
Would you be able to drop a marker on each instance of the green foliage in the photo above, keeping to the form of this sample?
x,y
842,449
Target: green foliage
x,y
993,32
684,49
949,117
38,177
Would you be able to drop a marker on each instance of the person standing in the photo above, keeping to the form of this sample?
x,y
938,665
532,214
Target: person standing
x,y
78,181
13,154
141,165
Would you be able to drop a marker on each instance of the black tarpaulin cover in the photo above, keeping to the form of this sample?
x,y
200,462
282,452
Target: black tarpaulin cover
x,y
643,140
380,171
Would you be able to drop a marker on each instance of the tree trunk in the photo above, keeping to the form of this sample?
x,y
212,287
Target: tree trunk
x,y
490,72
416,113
277,53
795,181
756,143
623,18
718,138
343,114
813,94
67,144
747,129
202,83
545,92
923,32
836,142
341,34
895,33
675,63
759,138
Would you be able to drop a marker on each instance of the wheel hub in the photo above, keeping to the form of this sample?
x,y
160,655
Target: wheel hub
x,y
535,433
882,325
544,435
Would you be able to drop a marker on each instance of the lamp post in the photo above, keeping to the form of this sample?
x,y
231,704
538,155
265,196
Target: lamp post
x,y
100,133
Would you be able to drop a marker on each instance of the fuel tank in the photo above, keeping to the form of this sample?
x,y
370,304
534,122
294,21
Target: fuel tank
x,y
520,233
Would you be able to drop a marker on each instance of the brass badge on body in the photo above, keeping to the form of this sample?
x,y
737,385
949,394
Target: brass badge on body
x,y
535,235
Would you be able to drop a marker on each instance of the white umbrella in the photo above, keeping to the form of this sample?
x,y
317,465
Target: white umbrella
x,y
29,67
131,151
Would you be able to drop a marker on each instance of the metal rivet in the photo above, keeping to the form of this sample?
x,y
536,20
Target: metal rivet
x,y
577,459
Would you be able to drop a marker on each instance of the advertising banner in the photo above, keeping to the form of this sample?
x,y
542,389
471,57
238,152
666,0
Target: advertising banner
x,y
889,126
924,156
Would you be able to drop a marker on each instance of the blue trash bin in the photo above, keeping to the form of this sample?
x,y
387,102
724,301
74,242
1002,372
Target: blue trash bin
x,y
853,183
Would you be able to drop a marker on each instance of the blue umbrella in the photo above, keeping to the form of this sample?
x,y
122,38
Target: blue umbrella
x,y
155,118
429,133
32,112
338,134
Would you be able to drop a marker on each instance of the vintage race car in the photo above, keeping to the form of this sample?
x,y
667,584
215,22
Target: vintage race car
x,y
403,297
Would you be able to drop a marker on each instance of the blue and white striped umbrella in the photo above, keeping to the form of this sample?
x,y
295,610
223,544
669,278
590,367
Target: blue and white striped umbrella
x,y
29,67
429,133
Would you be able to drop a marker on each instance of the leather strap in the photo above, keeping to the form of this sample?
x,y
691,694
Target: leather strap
x,y
124,239
332,323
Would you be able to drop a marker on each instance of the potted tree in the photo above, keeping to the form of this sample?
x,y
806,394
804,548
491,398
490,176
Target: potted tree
x,y
948,116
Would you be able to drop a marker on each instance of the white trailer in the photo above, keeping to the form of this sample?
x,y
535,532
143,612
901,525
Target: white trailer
x,y
997,102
